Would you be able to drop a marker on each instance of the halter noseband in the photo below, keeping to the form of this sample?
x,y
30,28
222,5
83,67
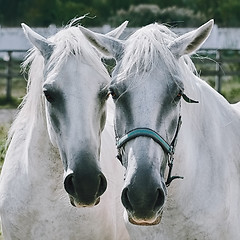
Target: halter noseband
x,y
147,132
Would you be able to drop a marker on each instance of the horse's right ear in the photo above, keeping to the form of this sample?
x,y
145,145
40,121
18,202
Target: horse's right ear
x,y
116,33
41,43
107,45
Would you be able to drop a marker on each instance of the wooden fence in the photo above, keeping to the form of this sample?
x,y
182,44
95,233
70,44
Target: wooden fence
x,y
217,63
9,69
210,63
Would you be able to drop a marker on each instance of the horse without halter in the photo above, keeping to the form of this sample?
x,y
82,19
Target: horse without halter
x,y
59,132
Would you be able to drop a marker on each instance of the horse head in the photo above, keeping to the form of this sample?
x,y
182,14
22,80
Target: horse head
x,y
74,92
147,87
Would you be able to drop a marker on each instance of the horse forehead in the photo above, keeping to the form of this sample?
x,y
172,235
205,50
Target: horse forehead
x,y
155,84
75,73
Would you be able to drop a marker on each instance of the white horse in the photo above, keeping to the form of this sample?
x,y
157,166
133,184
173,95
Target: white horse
x,y
58,132
153,86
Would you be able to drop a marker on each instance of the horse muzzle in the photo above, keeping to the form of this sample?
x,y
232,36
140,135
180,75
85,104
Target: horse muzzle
x,y
145,222
143,208
77,204
84,190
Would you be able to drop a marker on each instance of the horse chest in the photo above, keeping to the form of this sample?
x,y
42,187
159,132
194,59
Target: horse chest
x,y
35,198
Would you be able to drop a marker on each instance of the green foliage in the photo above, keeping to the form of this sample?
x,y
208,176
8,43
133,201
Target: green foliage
x,y
231,90
7,104
70,9
44,12
3,138
144,14
137,15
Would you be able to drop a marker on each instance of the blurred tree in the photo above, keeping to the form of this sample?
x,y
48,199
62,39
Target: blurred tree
x,y
41,12
10,11
45,12
144,14
71,9
229,12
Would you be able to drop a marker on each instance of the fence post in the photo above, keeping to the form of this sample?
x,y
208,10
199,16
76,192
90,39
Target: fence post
x,y
218,78
9,77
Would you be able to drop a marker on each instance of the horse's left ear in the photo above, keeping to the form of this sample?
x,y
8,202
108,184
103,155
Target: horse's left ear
x,y
191,41
41,43
107,45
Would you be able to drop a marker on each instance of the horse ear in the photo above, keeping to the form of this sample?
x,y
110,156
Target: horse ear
x,y
107,45
116,33
191,41
41,43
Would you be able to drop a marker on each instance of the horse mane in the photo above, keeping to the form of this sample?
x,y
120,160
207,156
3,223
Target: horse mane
x,y
147,49
68,42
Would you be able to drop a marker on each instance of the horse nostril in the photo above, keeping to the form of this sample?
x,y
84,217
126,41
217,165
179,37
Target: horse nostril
x,y
125,200
160,198
102,185
68,184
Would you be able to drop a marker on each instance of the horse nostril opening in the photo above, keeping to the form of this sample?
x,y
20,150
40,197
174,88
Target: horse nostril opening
x,y
125,200
160,198
102,185
68,184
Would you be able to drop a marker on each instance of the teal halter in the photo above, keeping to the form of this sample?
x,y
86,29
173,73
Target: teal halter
x,y
147,132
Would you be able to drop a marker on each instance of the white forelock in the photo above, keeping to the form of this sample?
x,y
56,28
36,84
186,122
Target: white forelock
x,y
147,48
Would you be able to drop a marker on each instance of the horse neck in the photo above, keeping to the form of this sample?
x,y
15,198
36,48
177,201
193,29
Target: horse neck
x,y
108,146
205,146
109,153
29,132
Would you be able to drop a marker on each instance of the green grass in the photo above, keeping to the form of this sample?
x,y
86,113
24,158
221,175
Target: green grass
x,y
18,91
3,138
231,90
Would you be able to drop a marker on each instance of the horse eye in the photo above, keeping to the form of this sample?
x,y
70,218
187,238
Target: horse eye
x,y
179,95
48,96
113,94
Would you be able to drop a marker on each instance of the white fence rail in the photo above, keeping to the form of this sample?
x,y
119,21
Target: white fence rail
x,y
13,45
220,38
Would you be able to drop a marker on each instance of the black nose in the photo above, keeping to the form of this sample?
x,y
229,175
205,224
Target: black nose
x,y
143,206
85,189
